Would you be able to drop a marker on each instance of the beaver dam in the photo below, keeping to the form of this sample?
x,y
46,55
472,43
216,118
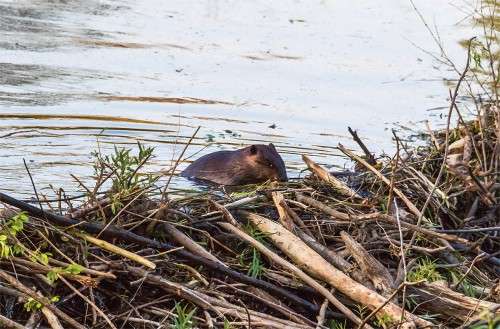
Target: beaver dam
x,y
404,241
407,241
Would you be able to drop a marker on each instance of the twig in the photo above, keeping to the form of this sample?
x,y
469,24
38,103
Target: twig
x,y
328,210
322,313
324,175
32,183
164,193
403,256
369,155
117,250
471,230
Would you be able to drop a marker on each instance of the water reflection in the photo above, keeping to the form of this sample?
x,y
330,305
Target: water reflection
x,y
39,85
41,25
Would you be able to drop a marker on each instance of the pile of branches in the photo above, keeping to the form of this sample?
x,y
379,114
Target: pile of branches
x,y
408,241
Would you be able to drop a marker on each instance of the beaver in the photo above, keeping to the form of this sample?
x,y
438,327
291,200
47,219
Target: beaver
x,y
250,165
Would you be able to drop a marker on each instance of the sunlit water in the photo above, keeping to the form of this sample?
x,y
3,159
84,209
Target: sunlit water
x,y
75,75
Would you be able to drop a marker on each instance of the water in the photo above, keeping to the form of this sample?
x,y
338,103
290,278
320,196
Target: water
x,y
75,75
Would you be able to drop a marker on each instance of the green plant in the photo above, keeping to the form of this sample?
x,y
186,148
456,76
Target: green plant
x,y
424,270
124,166
361,310
337,324
385,320
464,283
32,305
255,265
5,248
242,194
184,319
17,249
468,288
16,223
54,273
411,301
227,324
115,203
41,257
13,227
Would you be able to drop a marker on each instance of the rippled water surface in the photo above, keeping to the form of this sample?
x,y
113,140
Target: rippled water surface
x,y
78,74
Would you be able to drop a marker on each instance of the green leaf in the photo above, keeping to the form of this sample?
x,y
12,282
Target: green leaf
x,y
17,249
74,269
53,275
32,305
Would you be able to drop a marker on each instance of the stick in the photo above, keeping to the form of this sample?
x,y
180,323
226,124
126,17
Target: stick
x,y
365,320
322,313
368,154
324,208
188,243
51,318
371,267
324,175
117,250
433,136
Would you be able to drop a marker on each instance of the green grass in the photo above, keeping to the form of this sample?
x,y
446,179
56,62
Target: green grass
x,y
425,270
251,257
184,319
337,324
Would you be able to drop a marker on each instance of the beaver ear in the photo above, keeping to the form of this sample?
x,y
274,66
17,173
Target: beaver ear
x,y
253,149
271,145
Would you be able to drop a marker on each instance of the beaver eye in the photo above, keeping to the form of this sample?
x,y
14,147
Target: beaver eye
x,y
270,165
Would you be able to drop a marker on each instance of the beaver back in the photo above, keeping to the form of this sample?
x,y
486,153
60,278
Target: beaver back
x,y
250,165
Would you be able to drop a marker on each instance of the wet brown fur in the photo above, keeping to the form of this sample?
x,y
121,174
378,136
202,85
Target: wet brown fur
x,y
250,165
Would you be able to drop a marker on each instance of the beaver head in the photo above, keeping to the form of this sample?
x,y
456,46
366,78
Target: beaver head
x,y
264,162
